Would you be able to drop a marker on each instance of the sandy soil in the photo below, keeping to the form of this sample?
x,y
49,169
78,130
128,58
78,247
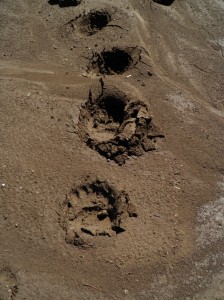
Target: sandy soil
x,y
111,201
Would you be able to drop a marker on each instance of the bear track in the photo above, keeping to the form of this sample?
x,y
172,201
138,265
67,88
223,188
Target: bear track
x,y
94,208
117,127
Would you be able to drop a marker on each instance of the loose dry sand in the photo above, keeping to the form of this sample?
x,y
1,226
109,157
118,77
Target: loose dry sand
x,y
149,223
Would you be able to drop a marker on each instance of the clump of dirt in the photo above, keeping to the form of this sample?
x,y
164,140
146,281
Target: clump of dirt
x,y
117,127
94,21
94,208
8,284
65,3
164,2
114,61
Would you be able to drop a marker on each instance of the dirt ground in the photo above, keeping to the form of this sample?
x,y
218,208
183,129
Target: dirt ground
x,y
111,152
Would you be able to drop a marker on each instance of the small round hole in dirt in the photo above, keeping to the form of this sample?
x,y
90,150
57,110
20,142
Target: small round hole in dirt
x,y
98,20
65,3
115,61
164,2
114,107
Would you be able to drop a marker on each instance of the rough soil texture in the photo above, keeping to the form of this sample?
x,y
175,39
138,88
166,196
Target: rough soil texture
x,y
8,284
87,89
95,209
116,125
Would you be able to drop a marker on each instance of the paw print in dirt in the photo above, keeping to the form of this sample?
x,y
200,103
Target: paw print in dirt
x,y
95,209
117,126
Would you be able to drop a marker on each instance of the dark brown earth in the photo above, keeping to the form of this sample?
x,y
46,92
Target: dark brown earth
x,y
150,214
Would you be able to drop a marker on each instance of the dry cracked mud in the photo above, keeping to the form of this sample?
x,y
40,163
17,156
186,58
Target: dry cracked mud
x,y
117,126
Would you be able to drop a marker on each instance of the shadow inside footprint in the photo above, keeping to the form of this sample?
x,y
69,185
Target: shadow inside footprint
x,y
64,3
164,2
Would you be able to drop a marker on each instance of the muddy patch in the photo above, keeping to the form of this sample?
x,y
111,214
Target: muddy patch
x,y
65,3
8,284
93,209
117,127
164,2
114,61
